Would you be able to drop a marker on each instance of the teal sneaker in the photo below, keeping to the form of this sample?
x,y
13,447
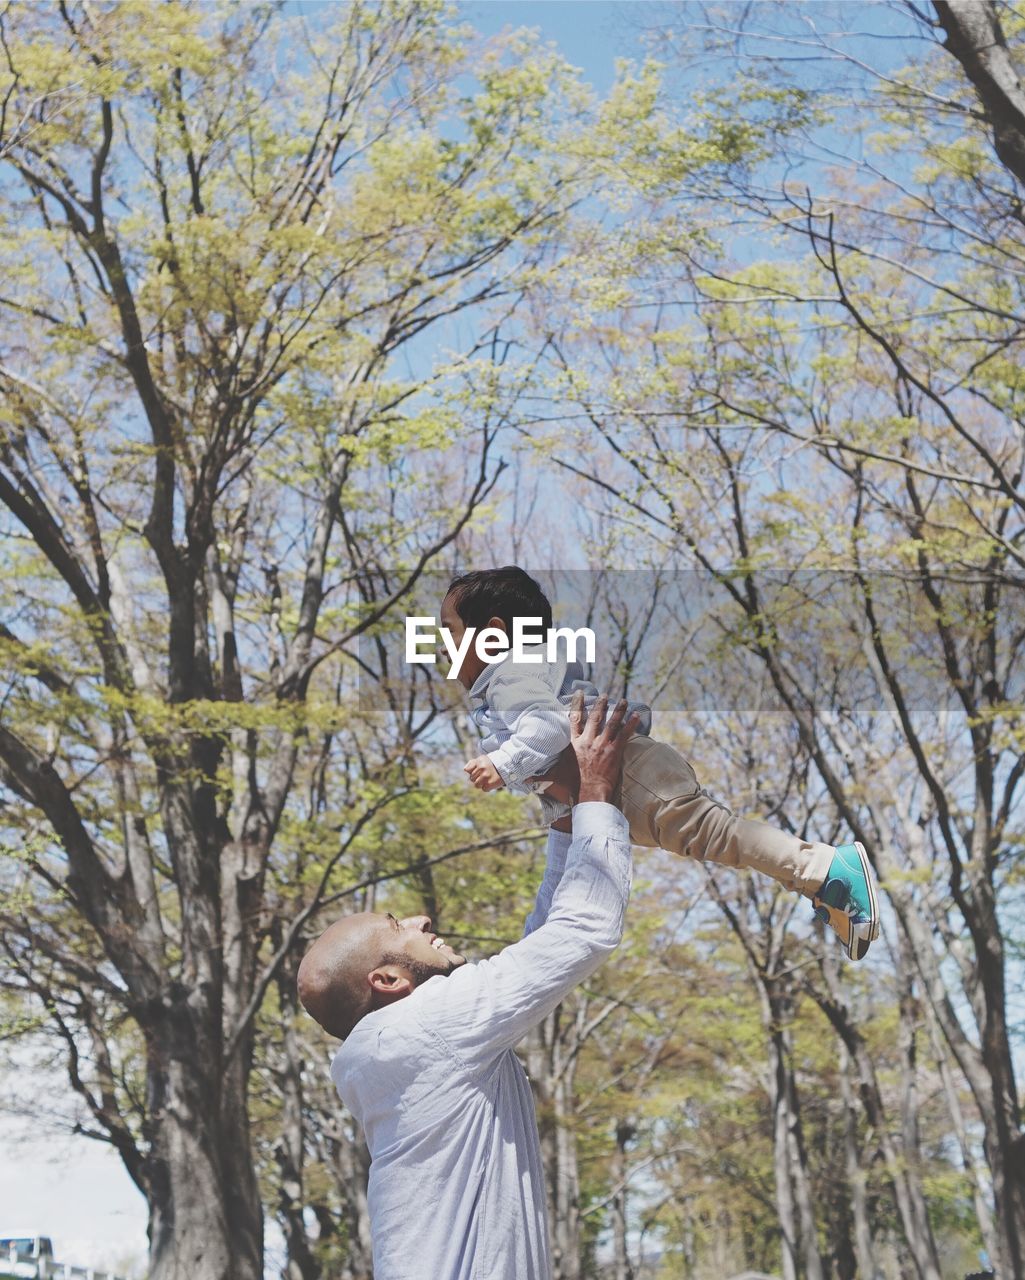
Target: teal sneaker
x,y
846,900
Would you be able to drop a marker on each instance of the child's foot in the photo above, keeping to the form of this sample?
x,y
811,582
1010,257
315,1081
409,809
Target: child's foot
x,y
846,900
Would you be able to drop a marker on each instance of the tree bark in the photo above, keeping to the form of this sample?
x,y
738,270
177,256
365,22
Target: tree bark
x,y
980,1192
976,39
206,1219
763,950
301,1264
779,1102
907,1190
551,1070
791,1131
988,1068
352,1171
864,1248
622,1267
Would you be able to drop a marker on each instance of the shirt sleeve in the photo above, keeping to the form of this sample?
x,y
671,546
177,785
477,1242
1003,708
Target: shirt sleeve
x,y
537,722
481,1010
555,865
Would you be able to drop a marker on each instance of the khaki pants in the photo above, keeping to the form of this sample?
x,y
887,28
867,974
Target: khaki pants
x,y
666,809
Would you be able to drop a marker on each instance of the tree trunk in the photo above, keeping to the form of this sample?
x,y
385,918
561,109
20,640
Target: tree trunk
x,y
980,1193
206,1221
551,1076
622,1268
900,1165
352,1168
300,1262
779,1100
924,1247
988,1068
796,1155
975,38
1005,1139
864,1249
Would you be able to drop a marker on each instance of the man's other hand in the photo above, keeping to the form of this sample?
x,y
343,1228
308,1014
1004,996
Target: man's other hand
x,y
483,774
599,745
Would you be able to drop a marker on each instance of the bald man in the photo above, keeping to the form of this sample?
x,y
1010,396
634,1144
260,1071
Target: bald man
x,y
427,1066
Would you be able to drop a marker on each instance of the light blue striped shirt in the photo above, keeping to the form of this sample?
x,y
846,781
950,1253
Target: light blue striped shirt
x,y
522,713
456,1183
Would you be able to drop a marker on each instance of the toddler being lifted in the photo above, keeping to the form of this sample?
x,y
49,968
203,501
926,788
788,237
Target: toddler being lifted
x,y
520,709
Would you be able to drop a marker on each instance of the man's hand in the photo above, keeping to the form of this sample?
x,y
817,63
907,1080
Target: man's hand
x,y
599,750
483,774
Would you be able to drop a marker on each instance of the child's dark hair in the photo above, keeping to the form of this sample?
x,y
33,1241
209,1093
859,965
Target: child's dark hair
x,y
505,593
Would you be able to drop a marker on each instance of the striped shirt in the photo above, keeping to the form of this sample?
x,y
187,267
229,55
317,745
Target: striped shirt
x,y
522,713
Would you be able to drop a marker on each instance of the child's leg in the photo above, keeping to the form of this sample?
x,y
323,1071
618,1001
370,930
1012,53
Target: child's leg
x,y
667,810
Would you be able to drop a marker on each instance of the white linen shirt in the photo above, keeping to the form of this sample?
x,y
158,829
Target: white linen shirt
x,y
456,1186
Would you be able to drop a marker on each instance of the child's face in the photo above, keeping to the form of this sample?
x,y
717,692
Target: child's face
x,y
472,664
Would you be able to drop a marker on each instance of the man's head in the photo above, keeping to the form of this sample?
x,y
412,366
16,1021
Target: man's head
x,y
491,598
366,961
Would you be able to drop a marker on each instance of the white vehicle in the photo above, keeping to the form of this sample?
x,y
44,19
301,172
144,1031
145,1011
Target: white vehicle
x,y
27,1257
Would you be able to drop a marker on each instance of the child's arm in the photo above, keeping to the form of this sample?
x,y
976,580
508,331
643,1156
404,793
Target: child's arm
x,y
537,722
483,774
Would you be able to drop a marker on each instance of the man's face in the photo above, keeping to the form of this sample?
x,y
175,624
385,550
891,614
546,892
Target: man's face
x,y
411,943
366,960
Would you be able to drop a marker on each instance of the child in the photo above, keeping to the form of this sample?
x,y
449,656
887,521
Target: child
x,y
520,710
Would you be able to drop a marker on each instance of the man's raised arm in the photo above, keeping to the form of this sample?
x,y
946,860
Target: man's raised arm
x,y
488,1007
563,780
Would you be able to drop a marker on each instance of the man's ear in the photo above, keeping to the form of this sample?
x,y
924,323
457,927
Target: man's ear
x,y
390,981
499,625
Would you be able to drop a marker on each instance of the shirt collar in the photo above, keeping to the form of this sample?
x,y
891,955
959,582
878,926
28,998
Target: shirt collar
x,y
479,685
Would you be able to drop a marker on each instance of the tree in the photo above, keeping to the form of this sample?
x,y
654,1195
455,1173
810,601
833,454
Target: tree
x,y
213,254
822,372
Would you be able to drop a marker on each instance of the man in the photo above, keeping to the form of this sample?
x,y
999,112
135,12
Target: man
x,y
427,1068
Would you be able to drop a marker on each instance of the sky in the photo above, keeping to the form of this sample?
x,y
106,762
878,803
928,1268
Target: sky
x,y
590,34
76,1190
72,1189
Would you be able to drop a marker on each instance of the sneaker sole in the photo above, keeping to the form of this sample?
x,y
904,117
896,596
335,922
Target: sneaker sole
x,y
863,943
